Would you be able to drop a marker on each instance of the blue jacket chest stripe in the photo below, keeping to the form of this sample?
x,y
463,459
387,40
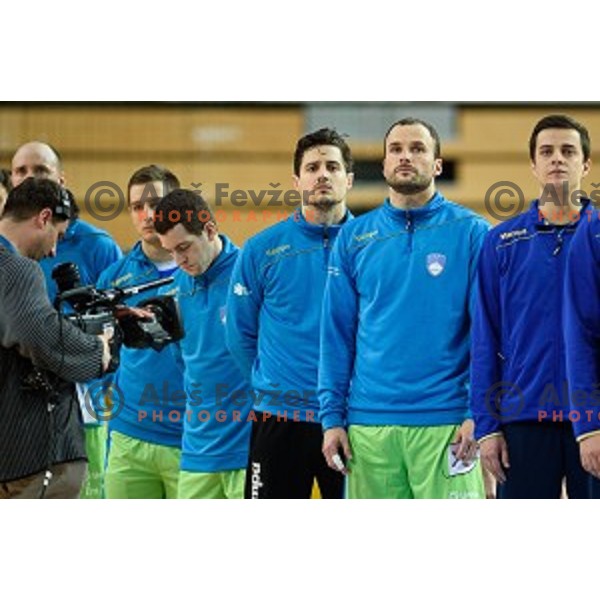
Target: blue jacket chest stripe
x,y
291,256
130,275
214,289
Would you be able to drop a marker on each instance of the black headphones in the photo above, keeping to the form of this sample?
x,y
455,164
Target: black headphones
x,y
65,208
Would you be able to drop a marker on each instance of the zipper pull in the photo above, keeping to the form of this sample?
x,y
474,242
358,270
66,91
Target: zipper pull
x,y
559,247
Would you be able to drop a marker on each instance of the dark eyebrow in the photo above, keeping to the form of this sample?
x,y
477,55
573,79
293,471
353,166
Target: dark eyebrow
x,y
551,146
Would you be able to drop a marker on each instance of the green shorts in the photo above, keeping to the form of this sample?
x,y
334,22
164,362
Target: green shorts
x,y
138,470
96,437
228,485
408,463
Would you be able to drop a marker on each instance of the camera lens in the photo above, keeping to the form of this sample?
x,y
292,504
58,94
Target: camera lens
x,y
67,277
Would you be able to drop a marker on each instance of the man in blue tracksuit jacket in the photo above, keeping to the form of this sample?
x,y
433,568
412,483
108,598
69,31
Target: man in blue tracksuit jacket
x,y
274,323
520,393
147,421
582,341
395,335
218,416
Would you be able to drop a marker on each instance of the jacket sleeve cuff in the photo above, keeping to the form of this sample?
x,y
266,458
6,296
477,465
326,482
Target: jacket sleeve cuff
x,y
587,436
333,421
491,436
485,427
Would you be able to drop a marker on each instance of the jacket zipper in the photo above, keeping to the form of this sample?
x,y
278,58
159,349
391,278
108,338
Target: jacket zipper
x,y
326,247
560,242
410,229
559,277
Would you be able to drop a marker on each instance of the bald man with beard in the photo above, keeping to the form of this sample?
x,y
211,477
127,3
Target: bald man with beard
x,y
92,250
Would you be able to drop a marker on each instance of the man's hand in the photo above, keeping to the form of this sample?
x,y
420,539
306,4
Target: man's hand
x,y
494,456
590,455
134,312
467,446
336,449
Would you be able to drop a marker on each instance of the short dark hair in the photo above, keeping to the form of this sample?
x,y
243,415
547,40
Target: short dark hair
x,y
150,174
323,137
32,196
183,207
407,122
561,122
5,180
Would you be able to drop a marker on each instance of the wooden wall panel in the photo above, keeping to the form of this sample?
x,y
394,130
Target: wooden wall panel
x,y
94,130
502,130
248,130
12,121
151,129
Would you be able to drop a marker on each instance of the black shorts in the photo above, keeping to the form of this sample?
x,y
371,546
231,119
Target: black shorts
x,y
285,460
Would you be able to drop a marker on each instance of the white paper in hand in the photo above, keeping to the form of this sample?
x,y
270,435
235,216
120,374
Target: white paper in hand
x,y
458,467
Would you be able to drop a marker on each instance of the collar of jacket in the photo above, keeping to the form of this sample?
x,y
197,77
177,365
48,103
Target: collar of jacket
x,y
415,214
222,262
71,230
536,220
137,254
317,231
4,243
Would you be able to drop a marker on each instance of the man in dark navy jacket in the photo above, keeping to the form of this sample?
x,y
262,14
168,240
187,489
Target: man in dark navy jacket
x,y
520,394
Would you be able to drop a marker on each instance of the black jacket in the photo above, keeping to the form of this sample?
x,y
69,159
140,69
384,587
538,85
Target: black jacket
x,y
38,428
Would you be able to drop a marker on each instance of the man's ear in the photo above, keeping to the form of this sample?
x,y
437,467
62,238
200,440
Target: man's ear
x,y
212,231
350,181
42,219
587,167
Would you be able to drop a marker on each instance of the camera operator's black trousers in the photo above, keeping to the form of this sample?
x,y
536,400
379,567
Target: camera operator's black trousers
x,y
285,460
66,482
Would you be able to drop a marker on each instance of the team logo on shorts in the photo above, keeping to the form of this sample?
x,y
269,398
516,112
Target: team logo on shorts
x,y
436,264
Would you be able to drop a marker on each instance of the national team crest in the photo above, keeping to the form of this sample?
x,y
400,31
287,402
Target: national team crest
x,y
436,264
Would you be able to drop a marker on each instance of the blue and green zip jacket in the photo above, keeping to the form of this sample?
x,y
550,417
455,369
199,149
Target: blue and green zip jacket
x,y
395,342
274,314
217,422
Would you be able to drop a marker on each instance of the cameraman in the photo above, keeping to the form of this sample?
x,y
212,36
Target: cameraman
x,y
42,451
92,250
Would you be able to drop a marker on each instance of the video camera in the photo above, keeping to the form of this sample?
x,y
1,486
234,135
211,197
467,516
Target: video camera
x,y
95,311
